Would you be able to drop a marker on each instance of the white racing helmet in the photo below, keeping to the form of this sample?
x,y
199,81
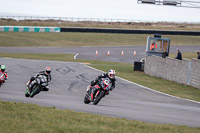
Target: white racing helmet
x,y
111,74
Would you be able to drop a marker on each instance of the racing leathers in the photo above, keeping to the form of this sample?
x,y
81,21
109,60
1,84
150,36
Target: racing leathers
x,y
5,73
104,75
38,74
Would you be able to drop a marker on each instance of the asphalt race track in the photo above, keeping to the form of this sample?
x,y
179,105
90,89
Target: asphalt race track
x,y
68,88
89,53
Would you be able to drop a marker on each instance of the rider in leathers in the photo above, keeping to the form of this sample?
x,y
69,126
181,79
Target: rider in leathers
x,y
3,70
46,73
111,75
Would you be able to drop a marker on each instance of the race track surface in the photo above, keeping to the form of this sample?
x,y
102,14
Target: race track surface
x,y
68,88
89,53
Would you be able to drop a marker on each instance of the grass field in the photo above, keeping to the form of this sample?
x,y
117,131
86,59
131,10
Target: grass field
x,y
30,118
27,39
30,39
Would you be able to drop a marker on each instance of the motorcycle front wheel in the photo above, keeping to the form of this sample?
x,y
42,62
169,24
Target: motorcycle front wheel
x,y
86,99
98,98
27,93
35,90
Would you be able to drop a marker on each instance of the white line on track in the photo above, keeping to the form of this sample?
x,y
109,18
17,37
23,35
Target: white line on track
x,y
75,56
147,87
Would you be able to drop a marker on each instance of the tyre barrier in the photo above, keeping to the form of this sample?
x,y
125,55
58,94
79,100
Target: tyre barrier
x,y
28,29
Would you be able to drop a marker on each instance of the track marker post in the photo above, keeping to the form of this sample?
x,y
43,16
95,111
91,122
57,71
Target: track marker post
x,y
122,53
108,53
134,53
97,52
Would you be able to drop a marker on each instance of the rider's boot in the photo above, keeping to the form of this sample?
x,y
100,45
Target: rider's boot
x,y
46,88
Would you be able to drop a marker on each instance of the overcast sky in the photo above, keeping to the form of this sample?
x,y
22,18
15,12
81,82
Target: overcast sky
x,y
108,9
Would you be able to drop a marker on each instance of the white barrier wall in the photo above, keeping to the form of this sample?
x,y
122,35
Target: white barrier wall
x,y
195,73
181,71
28,29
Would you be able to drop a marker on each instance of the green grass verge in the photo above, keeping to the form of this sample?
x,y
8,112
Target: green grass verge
x,y
30,39
23,118
30,118
124,70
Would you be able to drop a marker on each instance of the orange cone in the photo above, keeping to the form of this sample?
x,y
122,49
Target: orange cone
x,y
122,53
97,52
108,53
134,53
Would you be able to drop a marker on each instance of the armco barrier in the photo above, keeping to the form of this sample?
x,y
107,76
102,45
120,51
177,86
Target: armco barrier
x,y
29,29
126,31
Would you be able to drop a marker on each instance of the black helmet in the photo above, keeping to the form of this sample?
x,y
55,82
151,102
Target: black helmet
x,y
3,68
48,70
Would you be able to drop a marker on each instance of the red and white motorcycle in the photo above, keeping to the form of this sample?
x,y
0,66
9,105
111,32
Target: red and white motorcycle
x,y
97,92
2,78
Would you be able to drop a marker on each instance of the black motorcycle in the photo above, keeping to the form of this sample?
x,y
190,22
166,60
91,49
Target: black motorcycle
x,y
36,86
97,92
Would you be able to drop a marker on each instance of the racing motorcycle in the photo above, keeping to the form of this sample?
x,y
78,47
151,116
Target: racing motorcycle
x,y
97,92
2,78
36,86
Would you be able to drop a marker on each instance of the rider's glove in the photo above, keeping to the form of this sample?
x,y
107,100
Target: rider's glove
x,y
93,82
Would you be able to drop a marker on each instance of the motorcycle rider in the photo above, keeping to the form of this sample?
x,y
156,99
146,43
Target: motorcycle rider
x,y
46,73
3,70
111,75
